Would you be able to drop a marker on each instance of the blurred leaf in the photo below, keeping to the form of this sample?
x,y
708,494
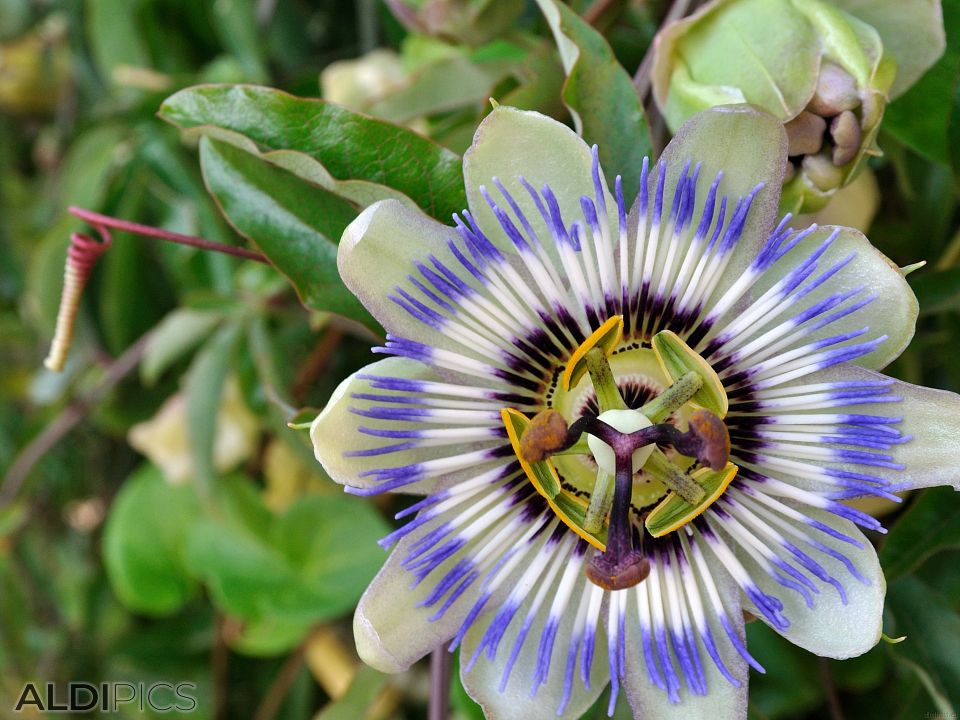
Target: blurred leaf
x,y
203,387
296,224
364,691
930,524
144,540
114,37
348,145
791,683
236,24
937,291
308,565
933,636
177,334
445,85
940,701
940,571
921,117
600,95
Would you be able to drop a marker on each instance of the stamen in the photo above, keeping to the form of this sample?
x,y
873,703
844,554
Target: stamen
x,y
545,435
673,398
673,477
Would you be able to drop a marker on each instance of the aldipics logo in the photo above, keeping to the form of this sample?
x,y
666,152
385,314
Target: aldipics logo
x,y
107,697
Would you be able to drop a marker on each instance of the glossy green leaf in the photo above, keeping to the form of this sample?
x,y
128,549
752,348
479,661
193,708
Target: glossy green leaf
x,y
348,145
144,541
930,524
296,224
933,635
600,95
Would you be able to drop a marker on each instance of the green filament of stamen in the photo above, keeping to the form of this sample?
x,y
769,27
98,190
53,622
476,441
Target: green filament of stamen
x,y
673,477
601,501
605,384
673,398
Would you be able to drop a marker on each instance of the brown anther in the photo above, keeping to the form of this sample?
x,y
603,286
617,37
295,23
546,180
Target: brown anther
x,y
625,575
845,131
545,435
715,450
805,134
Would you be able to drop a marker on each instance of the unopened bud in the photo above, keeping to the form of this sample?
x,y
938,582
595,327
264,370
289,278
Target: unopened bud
x,y
845,131
836,91
805,134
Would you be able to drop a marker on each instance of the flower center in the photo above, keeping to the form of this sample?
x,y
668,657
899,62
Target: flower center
x,y
622,441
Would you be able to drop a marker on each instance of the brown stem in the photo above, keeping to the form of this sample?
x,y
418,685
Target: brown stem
x,y
440,664
316,363
219,668
277,692
68,419
97,220
597,10
826,679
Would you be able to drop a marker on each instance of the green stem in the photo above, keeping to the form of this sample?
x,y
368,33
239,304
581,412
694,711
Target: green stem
x,y
601,501
673,477
608,394
673,398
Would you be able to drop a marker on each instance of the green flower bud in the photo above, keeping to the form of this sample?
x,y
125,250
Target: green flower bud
x,y
819,69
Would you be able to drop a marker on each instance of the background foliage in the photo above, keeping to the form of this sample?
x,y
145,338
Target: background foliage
x,y
241,577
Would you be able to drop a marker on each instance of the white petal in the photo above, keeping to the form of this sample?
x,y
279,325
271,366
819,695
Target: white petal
x,y
337,438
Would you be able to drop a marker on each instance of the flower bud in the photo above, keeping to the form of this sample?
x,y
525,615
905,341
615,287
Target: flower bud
x,y
819,69
458,21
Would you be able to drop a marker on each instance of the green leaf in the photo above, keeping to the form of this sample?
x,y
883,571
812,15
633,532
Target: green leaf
x,y
933,635
930,524
176,335
445,85
363,692
236,24
203,387
144,541
309,565
937,291
115,40
295,223
920,118
347,144
600,95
